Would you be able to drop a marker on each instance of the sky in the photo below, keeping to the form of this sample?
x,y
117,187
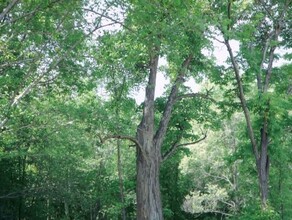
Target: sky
x,y
220,53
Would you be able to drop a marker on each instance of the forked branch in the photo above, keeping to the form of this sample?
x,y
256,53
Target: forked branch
x,y
171,101
173,149
122,137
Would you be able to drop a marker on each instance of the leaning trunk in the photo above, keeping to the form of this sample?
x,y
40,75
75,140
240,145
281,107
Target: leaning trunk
x,y
148,192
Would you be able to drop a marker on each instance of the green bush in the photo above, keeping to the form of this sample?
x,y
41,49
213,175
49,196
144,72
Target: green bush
x,y
254,212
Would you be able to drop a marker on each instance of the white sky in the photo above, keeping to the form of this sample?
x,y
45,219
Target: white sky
x,y
220,53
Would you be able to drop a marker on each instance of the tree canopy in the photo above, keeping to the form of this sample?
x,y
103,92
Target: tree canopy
x,y
76,144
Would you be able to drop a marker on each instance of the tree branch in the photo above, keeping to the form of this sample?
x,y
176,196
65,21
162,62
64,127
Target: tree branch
x,y
276,33
146,125
160,133
32,85
105,16
172,150
225,178
269,70
8,8
29,15
259,76
243,100
216,39
197,95
123,137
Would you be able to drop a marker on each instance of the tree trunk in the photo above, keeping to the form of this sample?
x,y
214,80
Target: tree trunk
x,y
48,206
121,181
263,169
149,141
148,192
148,154
263,183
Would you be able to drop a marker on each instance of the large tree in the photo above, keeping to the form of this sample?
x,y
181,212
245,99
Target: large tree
x,y
152,30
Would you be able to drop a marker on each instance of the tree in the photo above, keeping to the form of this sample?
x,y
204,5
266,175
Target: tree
x,y
259,28
42,41
151,37
43,47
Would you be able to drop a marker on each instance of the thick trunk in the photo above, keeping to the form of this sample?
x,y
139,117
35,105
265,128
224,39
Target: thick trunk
x,y
149,143
148,192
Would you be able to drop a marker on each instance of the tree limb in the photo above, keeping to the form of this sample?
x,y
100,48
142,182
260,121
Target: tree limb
x,y
29,15
243,100
197,95
276,33
123,137
105,16
225,178
172,150
160,133
146,126
259,77
269,70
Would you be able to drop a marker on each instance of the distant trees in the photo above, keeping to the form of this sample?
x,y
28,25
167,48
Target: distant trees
x,y
260,30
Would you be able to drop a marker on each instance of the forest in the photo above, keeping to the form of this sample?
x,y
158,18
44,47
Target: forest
x,y
145,109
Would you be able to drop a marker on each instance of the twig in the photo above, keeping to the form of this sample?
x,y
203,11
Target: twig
x,y
122,137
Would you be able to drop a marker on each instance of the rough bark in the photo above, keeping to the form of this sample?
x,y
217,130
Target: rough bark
x,y
149,205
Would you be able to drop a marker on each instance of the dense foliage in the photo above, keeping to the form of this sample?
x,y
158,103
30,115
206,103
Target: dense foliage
x,y
75,140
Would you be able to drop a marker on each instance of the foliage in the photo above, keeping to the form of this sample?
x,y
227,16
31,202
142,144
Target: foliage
x,y
254,211
68,72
